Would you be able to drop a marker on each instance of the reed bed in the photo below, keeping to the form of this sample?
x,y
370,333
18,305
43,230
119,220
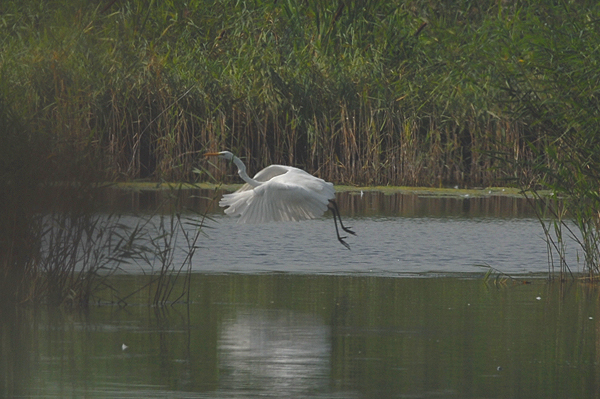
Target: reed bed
x,y
368,93
59,244
553,89
375,93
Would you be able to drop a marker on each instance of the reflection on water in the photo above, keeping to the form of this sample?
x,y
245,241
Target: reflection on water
x,y
354,204
286,335
274,351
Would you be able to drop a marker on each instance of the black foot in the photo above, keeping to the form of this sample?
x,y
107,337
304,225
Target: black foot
x,y
344,243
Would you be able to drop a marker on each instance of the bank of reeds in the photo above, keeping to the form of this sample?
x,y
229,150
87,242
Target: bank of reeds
x,y
58,243
376,92
554,91
399,93
52,243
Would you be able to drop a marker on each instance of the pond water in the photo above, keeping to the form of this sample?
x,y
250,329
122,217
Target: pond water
x,y
284,310
396,234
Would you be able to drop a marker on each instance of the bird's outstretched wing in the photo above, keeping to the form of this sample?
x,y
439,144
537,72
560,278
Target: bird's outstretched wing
x,y
287,194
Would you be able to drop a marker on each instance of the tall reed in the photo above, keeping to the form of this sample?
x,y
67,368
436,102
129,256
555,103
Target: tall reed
x,y
58,244
552,86
52,243
375,93
164,249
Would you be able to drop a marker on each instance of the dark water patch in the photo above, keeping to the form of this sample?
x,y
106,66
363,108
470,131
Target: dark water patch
x,y
352,203
292,335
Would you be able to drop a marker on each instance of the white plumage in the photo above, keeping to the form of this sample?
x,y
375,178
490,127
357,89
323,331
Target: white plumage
x,y
288,194
279,193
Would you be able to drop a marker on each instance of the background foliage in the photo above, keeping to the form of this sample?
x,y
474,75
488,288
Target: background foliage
x,y
359,92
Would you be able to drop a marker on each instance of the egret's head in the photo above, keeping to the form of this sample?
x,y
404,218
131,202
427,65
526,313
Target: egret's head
x,y
223,154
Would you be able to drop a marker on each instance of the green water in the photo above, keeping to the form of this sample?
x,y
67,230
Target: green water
x,y
295,335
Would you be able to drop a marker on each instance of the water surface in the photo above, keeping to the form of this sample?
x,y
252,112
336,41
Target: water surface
x,y
289,335
396,234
283,310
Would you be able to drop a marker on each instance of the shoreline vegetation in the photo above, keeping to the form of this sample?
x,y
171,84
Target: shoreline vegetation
x,y
360,93
409,93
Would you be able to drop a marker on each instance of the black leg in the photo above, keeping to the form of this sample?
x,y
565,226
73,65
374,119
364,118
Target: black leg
x,y
336,215
335,211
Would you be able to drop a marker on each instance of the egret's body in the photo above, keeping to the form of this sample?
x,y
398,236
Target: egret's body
x,y
279,193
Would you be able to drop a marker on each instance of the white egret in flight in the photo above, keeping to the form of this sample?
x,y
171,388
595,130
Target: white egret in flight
x,y
280,193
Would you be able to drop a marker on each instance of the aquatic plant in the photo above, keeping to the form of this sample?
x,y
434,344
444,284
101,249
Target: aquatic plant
x,y
53,244
552,85
164,249
377,93
58,244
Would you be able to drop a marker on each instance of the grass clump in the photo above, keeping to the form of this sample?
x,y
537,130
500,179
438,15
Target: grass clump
x,y
552,88
58,244
47,218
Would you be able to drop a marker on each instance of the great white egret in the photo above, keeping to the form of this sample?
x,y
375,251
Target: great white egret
x,y
280,193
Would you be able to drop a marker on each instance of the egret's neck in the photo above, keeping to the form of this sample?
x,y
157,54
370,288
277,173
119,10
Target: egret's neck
x,y
242,172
